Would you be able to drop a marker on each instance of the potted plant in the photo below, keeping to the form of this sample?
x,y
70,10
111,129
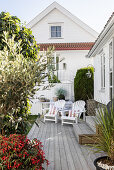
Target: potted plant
x,y
61,93
105,138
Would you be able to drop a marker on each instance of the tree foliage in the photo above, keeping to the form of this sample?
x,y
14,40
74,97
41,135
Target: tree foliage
x,y
83,85
18,77
13,25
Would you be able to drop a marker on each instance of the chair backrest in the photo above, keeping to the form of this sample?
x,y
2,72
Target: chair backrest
x,y
72,111
79,107
52,110
80,103
60,104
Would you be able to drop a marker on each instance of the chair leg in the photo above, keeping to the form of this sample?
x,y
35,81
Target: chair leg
x,y
44,119
56,120
83,116
76,120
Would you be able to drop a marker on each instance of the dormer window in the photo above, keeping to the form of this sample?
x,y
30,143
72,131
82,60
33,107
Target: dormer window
x,y
55,31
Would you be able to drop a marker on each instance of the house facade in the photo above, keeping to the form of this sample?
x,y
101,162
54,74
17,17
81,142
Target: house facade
x,y
103,54
71,38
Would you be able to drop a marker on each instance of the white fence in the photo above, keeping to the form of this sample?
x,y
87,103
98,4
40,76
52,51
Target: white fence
x,y
49,94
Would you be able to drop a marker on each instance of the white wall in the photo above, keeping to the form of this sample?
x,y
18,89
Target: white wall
x,y
50,92
71,31
75,60
102,95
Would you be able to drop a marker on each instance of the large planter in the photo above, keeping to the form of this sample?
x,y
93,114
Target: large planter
x,y
98,159
91,105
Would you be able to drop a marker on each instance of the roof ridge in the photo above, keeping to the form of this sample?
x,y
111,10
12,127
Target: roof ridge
x,y
68,43
63,10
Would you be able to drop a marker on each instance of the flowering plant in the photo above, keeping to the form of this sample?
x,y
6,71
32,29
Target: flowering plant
x,y
18,152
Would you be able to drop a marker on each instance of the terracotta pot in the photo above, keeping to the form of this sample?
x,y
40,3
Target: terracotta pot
x,y
55,99
96,160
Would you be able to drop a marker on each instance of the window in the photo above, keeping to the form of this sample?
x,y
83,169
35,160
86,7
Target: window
x,y
64,66
55,31
102,70
111,70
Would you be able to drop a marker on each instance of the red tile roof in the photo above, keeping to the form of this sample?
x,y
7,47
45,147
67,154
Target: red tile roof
x,y
67,46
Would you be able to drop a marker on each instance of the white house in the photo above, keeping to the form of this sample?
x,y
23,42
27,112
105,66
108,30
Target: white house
x,y
103,55
71,37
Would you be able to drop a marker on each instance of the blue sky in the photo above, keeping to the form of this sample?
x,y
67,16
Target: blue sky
x,y
95,13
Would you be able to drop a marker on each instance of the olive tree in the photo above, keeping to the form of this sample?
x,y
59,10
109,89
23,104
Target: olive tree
x,y
18,77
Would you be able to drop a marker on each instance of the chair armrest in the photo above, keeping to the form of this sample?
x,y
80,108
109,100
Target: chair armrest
x,y
64,111
45,109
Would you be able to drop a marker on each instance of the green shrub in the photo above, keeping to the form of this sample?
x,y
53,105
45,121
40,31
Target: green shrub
x,y
83,84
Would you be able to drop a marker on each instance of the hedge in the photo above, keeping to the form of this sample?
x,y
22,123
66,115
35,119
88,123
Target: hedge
x,y
84,85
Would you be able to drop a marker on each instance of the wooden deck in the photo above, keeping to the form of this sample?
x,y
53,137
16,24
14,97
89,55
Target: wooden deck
x,y
61,147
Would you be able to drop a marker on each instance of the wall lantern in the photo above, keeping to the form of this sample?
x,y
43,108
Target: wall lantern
x,y
89,74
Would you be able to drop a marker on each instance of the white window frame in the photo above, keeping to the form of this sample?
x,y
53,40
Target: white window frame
x,y
102,70
56,24
111,70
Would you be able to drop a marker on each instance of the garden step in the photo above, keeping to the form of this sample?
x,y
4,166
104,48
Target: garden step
x,y
83,133
90,120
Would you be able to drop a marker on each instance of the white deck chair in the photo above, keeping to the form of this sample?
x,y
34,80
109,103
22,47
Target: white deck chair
x,y
80,108
52,114
77,109
60,104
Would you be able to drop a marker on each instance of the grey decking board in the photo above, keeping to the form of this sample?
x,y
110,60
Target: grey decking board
x,y
34,131
73,143
69,155
40,131
62,148
72,150
87,156
57,151
47,141
51,148
43,140
31,131
64,163
80,155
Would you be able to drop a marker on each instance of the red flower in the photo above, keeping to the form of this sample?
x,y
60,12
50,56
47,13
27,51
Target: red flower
x,y
16,151
3,158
